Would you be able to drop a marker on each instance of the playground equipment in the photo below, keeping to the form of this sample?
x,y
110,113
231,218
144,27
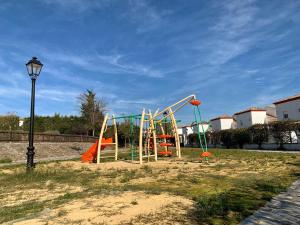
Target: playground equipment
x,y
153,131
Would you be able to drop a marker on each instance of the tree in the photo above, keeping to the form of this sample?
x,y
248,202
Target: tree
x,y
124,131
9,122
282,130
259,133
92,110
241,136
226,136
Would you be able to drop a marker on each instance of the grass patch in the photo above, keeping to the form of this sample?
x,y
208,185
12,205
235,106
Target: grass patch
x,y
5,160
232,186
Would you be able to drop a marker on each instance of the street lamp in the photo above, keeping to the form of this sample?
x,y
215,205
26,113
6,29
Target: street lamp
x,y
34,67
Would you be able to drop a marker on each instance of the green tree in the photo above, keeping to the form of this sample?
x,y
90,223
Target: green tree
x,y
241,136
259,133
92,110
282,130
9,122
226,137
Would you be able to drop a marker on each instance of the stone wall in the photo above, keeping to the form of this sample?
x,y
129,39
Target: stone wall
x,y
17,150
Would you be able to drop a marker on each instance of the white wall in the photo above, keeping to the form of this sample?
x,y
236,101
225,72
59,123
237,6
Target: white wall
x,y
226,124
215,125
203,127
184,132
248,119
292,108
258,117
244,120
221,124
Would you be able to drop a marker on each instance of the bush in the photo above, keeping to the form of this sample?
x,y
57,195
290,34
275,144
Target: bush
x,y
9,122
5,160
226,137
282,130
259,133
241,136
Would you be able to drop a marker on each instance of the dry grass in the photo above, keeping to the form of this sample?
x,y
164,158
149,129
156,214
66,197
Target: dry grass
x,y
224,191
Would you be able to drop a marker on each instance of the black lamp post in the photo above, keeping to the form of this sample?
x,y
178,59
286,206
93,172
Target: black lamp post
x,y
34,68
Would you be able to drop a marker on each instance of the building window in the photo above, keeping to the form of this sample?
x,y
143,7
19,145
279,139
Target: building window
x,y
241,122
285,115
299,110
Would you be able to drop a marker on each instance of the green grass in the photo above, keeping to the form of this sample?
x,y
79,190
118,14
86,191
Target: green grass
x,y
231,187
5,160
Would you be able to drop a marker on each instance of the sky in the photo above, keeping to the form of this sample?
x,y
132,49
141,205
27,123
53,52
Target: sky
x,y
149,54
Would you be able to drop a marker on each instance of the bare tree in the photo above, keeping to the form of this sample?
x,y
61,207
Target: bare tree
x,y
92,110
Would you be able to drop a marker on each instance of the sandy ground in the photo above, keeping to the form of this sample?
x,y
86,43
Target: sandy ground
x,y
118,208
36,194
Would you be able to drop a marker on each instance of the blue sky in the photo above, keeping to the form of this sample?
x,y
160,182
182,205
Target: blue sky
x,y
142,53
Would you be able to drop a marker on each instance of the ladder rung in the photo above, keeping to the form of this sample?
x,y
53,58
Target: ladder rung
x,y
108,143
104,157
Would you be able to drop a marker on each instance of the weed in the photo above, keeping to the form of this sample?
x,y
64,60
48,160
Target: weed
x,y
147,169
134,202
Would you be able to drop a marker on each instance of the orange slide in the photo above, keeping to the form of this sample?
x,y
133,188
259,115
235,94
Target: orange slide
x,y
91,154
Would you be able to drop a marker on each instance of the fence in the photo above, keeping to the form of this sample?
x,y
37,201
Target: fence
x,y
41,137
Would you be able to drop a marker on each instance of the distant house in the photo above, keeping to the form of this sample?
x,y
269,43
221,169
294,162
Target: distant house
x,y
249,117
21,122
222,123
185,131
288,108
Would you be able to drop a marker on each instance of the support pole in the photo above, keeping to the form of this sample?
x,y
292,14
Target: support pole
x,y
100,138
152,129
141,137
177,141
116,137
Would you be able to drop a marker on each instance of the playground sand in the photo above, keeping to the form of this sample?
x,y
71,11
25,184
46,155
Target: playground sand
x,y
36,194
123,208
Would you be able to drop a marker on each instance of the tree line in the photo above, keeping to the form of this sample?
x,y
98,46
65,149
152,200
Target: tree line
x,y
91,108
279,131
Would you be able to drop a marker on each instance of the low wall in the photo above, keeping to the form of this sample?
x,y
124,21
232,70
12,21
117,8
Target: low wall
x,y
17,150
291,147
43,137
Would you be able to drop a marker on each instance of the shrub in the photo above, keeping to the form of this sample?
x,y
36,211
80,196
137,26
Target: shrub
x,y
5,160
241,136
259,133
226,137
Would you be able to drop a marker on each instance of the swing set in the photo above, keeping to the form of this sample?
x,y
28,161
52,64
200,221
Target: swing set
x,y
157,133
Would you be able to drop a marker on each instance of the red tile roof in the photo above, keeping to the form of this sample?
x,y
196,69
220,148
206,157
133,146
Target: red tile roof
x,y
222,117
253,109
288,99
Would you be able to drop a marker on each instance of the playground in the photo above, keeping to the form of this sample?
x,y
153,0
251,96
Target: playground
x,y
150,180
151,135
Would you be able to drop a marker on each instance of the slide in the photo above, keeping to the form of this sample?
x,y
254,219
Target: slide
x,y
91,154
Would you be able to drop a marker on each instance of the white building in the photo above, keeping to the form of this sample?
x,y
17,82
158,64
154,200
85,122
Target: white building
x,y
21,122
288,108
185,131
222,123
249,117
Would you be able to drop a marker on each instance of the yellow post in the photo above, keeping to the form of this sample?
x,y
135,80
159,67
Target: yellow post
x,y
116,137
175,130
153,134
100,138
141,137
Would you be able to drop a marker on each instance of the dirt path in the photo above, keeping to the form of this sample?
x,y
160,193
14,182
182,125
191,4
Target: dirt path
x,y
283,209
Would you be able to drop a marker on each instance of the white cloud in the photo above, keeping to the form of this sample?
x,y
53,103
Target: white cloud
x,y
108,64
77,5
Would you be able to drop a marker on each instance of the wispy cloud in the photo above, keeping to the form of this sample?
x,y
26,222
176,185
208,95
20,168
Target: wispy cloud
x,y
107,64
77,5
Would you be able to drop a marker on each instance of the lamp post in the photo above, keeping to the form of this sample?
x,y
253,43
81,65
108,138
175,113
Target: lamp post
x,y
34,67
